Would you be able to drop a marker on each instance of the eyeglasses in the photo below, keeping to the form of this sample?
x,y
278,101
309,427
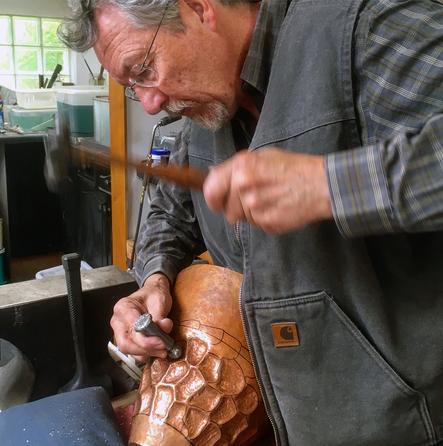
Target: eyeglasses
x,y
144,76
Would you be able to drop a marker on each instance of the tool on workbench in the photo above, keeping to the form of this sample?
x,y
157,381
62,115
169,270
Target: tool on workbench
x,y
82,377
101,77
145,324
88,67
58,68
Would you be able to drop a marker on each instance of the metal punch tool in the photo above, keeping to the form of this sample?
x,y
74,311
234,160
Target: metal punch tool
x,y
144,324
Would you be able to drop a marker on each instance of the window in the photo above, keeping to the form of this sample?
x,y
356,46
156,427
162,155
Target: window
x,y
29,46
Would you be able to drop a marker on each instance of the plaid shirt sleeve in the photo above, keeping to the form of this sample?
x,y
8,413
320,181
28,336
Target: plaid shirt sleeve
x,y
395,182
170,236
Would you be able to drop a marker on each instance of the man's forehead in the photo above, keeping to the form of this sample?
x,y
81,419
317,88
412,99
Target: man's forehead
x,y
118,45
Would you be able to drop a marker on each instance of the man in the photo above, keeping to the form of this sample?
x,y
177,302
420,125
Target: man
x,y
333,215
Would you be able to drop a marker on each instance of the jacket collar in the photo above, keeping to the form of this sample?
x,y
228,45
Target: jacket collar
x,y
257,66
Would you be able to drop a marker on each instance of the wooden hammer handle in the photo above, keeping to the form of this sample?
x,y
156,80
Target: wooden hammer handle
x,y
184,176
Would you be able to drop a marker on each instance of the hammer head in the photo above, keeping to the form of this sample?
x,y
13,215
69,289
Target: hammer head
x,y
57,156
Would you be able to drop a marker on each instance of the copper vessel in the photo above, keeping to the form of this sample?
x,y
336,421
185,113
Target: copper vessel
x,y
210,396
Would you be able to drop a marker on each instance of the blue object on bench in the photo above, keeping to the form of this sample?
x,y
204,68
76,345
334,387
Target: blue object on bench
x,y
79,418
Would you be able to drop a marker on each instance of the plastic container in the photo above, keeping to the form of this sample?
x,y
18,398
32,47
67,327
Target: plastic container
x,y
101,121
59,270
32,120
160,155
76,107
37,98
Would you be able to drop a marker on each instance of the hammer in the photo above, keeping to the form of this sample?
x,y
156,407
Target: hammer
x,y
60,154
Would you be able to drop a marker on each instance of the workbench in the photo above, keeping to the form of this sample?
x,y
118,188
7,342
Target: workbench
x,y
34,316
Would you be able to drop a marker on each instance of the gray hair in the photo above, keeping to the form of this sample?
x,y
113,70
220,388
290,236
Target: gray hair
x,y
79,31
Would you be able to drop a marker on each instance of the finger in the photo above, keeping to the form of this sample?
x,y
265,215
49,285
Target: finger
x,y
140,359
160,354
149,342
140,345
252,204
259,201
159,306
165,324
127,340
231,204
249,217
127,311
217,185
152,346
128,346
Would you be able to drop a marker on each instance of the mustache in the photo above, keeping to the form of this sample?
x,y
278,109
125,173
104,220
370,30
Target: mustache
x,y
176,107
212,117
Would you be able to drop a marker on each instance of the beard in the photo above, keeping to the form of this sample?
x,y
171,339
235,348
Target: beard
x,y
214,115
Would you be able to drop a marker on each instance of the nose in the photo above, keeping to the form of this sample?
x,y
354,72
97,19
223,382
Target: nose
x,y
152,99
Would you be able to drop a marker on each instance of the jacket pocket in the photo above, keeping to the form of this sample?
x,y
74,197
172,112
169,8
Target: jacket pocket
x,y
334,388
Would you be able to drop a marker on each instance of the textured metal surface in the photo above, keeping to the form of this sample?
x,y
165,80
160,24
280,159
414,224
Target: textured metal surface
x,y
209,397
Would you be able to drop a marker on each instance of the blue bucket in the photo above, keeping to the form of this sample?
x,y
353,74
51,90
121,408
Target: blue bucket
x,y
2,267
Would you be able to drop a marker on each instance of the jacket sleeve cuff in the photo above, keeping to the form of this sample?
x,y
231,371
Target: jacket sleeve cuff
x,y
157,264
359,192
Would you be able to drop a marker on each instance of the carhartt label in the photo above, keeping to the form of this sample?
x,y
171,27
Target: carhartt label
x,y
285,334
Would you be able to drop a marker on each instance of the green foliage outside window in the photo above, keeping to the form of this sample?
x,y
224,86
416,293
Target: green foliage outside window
x,y
26,60
49,32
29,46
52,58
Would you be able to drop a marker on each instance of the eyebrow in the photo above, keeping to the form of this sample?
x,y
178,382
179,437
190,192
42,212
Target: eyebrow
x,y
125,68
147,64
130,60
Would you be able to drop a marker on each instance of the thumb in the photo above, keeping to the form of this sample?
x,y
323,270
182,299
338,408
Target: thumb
x,y
159,305
165,324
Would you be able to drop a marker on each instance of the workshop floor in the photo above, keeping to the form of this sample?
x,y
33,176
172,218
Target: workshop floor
x,y
25,268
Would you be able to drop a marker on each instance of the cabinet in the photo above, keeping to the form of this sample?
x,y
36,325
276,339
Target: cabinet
x,y
94,219
87,211
31,214
38,222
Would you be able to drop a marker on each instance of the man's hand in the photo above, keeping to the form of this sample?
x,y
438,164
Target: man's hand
x,y
154,298
275,190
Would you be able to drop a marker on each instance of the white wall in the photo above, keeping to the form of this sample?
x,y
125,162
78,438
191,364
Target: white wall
x,y
39,8
80,71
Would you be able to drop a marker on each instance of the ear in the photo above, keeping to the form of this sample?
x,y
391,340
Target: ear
x,y
205,11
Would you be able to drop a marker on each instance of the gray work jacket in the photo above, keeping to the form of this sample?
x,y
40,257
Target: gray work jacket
x,y
365,315
368,369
